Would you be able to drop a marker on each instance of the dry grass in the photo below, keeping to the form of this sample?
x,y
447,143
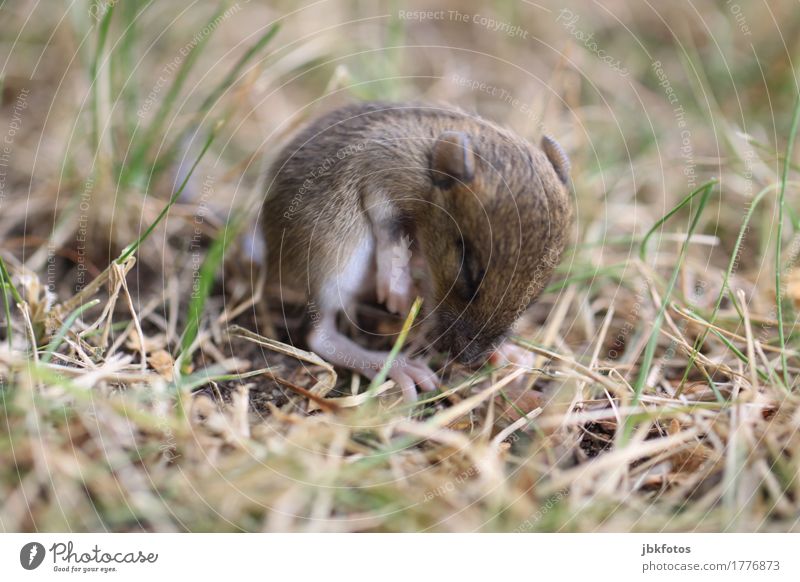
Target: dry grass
x,y
161,391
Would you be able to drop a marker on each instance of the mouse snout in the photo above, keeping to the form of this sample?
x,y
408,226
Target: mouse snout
x,y
471,353
463,341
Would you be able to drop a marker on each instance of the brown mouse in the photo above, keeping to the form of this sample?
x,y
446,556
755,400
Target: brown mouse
x,y
361,191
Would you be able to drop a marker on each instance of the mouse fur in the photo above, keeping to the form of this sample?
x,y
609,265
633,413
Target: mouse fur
x,y
360,188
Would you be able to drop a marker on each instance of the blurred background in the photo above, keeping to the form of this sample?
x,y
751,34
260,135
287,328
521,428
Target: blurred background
x,y
108,106
649,101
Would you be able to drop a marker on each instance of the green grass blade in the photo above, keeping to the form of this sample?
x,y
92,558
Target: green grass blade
x,y
94,68
725,285
131,248
234,73
705,191
699,191
127,88
5,284
738,353
592,274
156,126
7,278
779,242
226,83
380,377
214,373
208,273
7,312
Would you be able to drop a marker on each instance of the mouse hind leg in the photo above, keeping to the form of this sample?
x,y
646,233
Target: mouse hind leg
x,y
326,341
338,293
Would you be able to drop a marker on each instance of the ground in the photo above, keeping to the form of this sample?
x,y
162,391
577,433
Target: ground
x,y
152,380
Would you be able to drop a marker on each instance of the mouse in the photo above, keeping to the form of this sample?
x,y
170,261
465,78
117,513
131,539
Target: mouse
x,y
362,197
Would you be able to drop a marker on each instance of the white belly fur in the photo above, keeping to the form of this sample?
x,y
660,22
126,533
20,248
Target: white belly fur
x,y
358,275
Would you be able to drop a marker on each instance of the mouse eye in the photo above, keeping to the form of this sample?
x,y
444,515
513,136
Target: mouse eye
x,y
471,272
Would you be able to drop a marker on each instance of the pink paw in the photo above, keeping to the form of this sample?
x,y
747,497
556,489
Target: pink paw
x,y
410,373
393,281
394,289
510,353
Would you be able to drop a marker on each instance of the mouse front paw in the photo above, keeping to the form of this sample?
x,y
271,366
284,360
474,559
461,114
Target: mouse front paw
x,y
510,353
410,373
393,283
394,288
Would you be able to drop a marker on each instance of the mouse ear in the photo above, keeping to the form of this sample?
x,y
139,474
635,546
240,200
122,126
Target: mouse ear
x,y
557,157
452,159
